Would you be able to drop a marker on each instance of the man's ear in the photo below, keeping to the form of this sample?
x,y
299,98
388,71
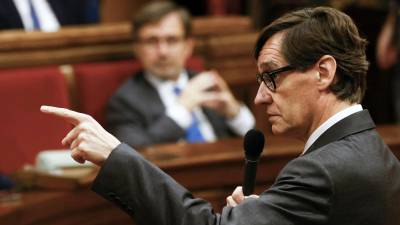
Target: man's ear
x,y
326,67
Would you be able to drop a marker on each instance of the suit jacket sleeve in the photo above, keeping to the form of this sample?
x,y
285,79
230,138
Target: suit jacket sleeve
x,y
152,197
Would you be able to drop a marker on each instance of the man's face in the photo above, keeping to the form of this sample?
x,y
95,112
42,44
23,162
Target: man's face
x,y
162,47
290,108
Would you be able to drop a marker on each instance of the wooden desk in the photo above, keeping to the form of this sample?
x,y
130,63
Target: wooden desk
x,y
210,171
61,208
220,164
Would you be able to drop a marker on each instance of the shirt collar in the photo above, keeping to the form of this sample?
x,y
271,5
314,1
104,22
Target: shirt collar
x,y
158,82
330,122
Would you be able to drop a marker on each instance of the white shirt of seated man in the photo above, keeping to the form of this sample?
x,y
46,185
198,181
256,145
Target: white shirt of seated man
x,y
240,124
45,15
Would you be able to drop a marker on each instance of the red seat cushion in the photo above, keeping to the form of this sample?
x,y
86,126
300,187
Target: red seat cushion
x,y
25,130
97,82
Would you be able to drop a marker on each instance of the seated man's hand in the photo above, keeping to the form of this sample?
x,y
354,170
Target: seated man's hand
x,y
237,197
223,102
197,91
210,90
88,140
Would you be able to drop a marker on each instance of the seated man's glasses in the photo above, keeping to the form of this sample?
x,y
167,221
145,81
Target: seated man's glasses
x,y
153,42
269,77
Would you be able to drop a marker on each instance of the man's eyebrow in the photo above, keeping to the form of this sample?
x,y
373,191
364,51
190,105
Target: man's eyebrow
x,y
269,65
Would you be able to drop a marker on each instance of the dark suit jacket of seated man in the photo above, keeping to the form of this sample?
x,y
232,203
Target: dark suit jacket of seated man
x,y
161,103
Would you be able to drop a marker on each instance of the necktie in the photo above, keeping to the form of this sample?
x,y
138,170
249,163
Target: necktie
x,y
34,16
193,133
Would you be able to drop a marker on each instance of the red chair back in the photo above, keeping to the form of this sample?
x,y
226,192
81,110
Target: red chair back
x,y
25,130
96,82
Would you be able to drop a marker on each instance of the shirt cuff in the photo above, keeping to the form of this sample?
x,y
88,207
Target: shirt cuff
x,y
242,122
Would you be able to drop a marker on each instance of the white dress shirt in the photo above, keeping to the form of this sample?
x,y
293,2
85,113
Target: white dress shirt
x,y
165,88
330,122
48,21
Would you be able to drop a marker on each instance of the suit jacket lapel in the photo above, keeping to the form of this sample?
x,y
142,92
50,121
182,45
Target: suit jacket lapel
x,y
352,124
149,94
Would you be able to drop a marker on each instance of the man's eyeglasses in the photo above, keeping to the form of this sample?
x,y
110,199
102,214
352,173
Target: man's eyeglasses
x,y
170,41
269,77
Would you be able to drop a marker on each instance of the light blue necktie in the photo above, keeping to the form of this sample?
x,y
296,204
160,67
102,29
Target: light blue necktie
x,y
193,133
34,16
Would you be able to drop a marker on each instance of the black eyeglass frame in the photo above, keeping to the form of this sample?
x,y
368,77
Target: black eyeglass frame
x,y
269,77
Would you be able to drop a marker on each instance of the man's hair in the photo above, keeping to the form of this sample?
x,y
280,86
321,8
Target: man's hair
x,y
156,11
313,32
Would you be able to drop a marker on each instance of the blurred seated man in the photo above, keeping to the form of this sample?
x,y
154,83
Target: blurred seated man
x,y
165,102
46,15
388,47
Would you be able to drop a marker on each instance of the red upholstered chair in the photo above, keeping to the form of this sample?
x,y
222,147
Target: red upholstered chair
x,y
97,82
24,129
195,64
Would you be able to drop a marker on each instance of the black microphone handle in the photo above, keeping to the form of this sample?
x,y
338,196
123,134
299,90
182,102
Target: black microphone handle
x,y
250,172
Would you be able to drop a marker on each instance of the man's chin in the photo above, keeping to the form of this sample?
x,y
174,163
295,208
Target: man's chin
x,y
288,132
277,130
166,74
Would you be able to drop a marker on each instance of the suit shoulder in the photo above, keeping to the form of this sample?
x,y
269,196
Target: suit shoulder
x,y
349,160
129,86
363,144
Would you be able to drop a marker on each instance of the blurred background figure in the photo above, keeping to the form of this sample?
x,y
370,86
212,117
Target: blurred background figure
x,y
46,15
166,102
387,52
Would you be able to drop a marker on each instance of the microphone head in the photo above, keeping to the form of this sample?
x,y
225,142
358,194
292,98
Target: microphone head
x,y
253,144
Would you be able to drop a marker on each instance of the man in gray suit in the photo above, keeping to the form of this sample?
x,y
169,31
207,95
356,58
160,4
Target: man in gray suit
x,y
165,102
312,68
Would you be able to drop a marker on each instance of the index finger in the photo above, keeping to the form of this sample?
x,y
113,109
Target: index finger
x,y
221,81
70,116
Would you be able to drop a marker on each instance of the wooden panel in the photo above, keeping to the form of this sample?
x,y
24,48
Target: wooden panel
x,y
221,25
232,45
67,36
61,208
97,42
119,10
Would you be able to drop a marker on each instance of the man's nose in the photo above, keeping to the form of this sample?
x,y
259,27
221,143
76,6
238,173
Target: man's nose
x,y
263,95
162,47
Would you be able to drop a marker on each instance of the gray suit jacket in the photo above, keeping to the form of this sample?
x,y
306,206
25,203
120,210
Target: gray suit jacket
x,y
348,177
136,116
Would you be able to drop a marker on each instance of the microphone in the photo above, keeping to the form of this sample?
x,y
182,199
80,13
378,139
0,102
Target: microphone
x,y
253,146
